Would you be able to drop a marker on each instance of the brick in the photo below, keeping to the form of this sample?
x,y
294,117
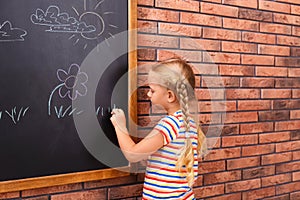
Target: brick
x,y
192,56
207,94
286,19
255,15
296,93
260,171
236,70
225,153
271,71
284,104
217,57
208,69
83,195
288,40
199,44
274,137
295,51
179,29
296,155
230,129
9,195
210,119
230,141
110,182
143,108
157,41
287,61
273,50
294,72
296,31
122,192
273,115
287,125
38,198
144,67
242,93
220,82
280,197
242,3
276,158
178,5
260,127
287,188
275,93
258,38
147,26
287,83
257,60
258,150
239,47
222,34
254,104
209,167
295,195
290,1
200,19
295,114
240,24
222,177
146,2
208,191
259,193
288,167
257,82
276,179
296,176
216,106
234,196
275,28
240,163
240,117
51,190
288,146
295,135
295,9
242,185
274,6
158,14
217,9
146,54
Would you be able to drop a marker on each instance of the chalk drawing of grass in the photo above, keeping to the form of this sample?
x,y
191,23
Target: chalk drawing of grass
x,y
15,114
61,113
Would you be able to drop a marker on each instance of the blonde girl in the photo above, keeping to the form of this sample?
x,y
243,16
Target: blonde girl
x,y
173,146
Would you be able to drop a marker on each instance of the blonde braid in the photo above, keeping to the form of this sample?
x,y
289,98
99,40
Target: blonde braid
x,y
187,155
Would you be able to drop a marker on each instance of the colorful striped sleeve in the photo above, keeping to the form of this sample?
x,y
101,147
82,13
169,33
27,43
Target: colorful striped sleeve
x,y
169,128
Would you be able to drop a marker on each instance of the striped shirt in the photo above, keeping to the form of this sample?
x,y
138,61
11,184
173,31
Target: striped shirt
x,y
162,180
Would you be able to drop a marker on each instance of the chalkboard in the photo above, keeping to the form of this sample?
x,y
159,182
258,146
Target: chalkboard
x,y
46,48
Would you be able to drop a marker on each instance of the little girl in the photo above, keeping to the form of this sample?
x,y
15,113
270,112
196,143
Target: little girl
x,y
173,146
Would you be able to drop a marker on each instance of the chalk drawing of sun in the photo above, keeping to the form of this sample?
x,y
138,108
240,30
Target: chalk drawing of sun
x,y
95,19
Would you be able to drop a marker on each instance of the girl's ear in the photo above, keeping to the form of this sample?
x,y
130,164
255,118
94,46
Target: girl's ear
x,y
171,96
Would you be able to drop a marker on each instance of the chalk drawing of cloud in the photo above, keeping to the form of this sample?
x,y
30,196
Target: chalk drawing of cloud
x,y
10,34
60,22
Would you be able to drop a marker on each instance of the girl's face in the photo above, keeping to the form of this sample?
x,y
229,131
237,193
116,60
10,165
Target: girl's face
x,y
158,94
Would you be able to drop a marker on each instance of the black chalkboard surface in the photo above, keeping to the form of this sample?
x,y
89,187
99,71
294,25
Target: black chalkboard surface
x,y
46,48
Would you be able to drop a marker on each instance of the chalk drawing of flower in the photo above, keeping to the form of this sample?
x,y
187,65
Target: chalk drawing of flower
x,y
72,80
72,84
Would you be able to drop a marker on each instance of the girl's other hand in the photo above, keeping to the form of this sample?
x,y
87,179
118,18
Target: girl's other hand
x,y
118,118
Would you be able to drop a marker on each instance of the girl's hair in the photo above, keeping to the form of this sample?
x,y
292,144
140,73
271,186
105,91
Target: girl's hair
x,y
178,76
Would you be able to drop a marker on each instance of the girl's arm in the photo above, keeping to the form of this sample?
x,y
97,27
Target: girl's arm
x,y
132,151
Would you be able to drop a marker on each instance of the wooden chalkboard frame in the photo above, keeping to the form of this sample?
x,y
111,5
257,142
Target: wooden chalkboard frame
x,y
78,177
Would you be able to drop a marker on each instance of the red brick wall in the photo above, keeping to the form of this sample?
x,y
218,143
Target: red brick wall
x,y
253,47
